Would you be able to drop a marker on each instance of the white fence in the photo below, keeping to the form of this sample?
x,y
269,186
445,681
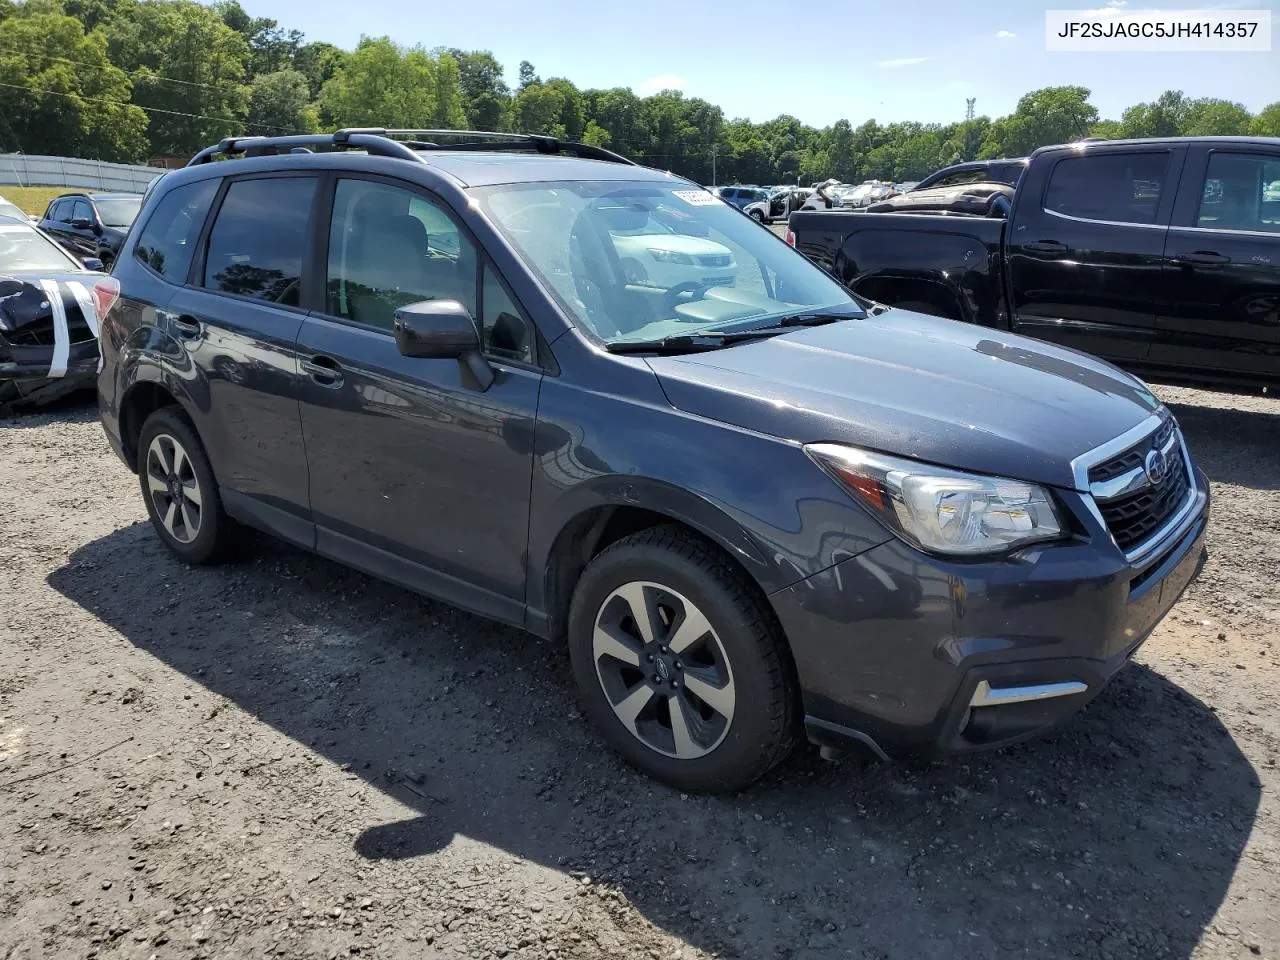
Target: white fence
x,y
32,171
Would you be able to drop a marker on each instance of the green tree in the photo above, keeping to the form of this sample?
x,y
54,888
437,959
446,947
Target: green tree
x,y
1163,117
189,69
318,62
76,106
1042,117
485,94
1216,118
380,85
528,76
280,103
1267,122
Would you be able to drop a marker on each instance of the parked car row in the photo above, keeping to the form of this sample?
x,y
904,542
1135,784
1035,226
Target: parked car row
x,y
591,400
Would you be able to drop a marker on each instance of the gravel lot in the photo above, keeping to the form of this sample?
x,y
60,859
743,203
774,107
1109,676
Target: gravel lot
x,y
285,757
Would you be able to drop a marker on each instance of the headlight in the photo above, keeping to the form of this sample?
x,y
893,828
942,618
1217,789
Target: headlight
x,y
940,510
670,256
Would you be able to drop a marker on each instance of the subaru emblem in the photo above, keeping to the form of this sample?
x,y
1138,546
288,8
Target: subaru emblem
x,y
1156,467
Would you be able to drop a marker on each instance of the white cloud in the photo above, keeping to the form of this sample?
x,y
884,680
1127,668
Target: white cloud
x,y
902,62
1005,34
663,81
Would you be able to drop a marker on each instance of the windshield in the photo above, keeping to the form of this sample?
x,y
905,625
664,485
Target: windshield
x,y
644,261
119,211
22,248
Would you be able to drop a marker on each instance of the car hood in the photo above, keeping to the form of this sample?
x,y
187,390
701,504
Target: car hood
x,y
675,242
902,383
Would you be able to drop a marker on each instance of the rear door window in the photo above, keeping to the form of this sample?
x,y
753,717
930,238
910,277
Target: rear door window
x,y
169,239
259,238
1241,192
1112,187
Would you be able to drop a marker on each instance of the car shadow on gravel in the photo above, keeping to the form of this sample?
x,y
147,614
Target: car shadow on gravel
x,y
1240,447
78,407
1115,836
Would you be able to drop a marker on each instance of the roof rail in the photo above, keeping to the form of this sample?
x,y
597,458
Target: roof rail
x,y
405,144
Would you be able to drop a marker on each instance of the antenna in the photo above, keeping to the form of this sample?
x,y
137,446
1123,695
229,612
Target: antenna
x,y
968,107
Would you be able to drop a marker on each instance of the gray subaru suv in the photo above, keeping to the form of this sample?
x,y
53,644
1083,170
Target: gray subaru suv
x,y
594,401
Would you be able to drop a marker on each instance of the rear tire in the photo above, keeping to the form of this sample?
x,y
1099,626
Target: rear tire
x,y
703,696
180,492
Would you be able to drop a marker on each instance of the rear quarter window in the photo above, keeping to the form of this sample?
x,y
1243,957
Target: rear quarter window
x,y
168,240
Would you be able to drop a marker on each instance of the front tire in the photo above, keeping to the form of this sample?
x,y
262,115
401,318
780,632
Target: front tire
x,y
757,216
681,664
180,492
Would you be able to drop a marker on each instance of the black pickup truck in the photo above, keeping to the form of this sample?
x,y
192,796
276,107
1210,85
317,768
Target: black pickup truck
x,y
1162,256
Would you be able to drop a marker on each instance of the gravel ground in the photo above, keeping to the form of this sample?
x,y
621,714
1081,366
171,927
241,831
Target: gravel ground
x,y
283,757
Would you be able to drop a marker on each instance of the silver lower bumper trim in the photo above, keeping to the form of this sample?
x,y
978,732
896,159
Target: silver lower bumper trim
x,y
987,696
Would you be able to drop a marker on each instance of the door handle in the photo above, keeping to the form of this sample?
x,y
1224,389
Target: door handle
x,y
1046,246
186,327
323,370
1201,257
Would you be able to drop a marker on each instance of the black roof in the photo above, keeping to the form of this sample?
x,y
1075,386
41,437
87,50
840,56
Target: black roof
x,y
1085,145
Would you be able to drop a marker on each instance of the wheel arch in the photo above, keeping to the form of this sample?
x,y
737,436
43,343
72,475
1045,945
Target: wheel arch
x,y
145,395
613,508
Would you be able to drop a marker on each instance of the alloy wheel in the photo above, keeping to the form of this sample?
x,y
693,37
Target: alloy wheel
x,y
174,488
663,670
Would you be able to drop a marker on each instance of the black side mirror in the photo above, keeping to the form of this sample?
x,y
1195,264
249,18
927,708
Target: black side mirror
x,y
442,330
81,223
92,263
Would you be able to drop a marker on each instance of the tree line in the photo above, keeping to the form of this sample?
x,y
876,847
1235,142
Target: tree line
x,y
126,80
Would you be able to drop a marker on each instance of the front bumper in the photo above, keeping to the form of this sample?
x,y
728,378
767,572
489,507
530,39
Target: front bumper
x,y
913,655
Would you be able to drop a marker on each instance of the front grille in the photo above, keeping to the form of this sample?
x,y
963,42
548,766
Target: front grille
x,y
716,260
1133,518
1135,515
1133,457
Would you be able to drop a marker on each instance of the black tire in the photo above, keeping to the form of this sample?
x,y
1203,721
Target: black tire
x,y
216,534
757,216
765,718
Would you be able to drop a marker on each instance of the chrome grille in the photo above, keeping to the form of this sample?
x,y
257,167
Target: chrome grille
x,y
1141,489
1134,517
715,260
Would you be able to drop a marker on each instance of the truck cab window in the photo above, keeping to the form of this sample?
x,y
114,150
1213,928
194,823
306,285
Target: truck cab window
x,y
1241,192
1114,187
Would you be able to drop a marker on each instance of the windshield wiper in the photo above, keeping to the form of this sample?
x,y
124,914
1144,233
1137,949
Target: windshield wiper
x,y
691,342
715,339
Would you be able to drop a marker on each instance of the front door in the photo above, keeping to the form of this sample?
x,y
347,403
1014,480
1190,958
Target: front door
x,y
1086,248
417,474
1222,312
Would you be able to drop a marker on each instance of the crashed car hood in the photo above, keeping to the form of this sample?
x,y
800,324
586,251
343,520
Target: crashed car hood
x,y
902,383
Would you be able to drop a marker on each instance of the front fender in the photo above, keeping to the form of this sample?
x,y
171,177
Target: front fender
x,y
760,498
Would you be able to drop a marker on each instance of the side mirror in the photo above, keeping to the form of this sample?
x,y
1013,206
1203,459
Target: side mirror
x,y
442,330
81,223
92,263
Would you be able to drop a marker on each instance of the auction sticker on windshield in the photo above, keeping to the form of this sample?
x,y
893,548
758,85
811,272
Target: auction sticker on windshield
x,y
697,198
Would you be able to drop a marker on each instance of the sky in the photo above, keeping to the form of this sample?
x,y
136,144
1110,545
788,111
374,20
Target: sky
x,y
913,60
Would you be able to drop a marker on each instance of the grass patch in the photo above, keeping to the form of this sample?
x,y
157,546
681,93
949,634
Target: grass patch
x,y
35,200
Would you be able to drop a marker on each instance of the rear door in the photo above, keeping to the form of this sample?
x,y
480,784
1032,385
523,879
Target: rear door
x,y
1086,248
1222,273
238,322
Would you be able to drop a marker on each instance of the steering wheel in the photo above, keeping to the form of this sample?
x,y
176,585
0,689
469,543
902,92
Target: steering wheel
x,y
671,299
